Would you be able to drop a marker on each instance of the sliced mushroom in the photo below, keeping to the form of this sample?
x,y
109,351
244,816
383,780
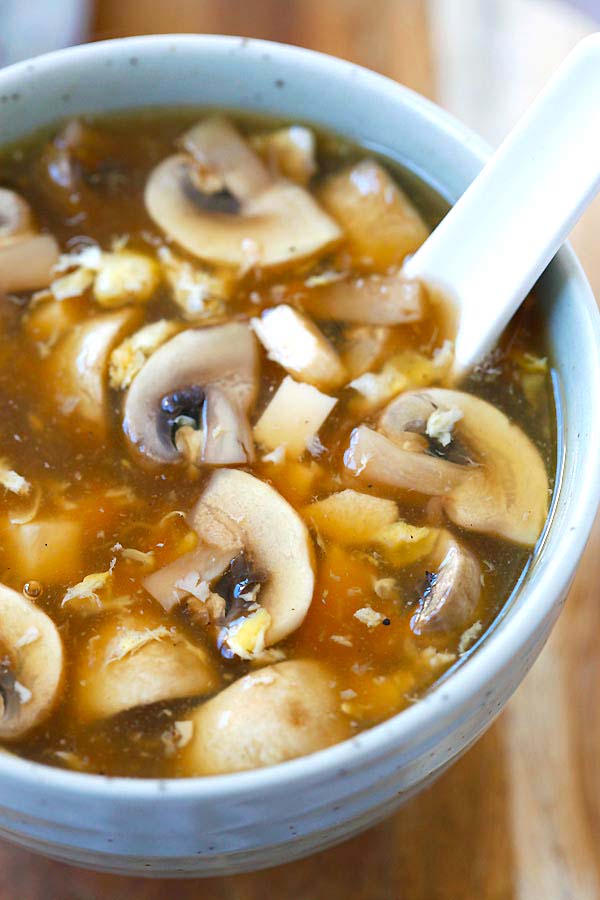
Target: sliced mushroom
x,y
220,203
193,396
237,513
380,222
498,482
296,343
373,457
269,716
452,589
370,299
26,258
135,660
31,665
78,367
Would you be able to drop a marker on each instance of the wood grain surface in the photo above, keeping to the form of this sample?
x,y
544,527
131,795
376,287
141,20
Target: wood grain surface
x,y
518,817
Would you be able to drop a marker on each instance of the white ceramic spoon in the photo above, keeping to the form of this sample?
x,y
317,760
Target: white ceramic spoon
x,y
492,246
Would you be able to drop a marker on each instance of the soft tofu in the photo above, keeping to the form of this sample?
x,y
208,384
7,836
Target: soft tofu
x,y
351,517
380,222
294,342
293,417
290,151
46,550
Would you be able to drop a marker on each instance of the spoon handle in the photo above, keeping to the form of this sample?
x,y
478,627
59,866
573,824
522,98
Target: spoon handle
x,y
492,246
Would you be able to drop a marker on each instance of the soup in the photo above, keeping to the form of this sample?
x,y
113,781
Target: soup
x,y
244,513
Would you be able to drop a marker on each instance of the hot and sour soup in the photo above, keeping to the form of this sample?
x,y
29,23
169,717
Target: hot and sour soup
x,y
244,513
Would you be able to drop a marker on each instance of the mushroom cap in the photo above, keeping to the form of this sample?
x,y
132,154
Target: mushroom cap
x,y
134,660
15,215
79,366
453,593
506,492
223,361
271,715
36,664
273,535
275,222
26,258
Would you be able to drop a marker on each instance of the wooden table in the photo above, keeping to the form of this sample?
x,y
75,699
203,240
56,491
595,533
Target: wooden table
x,y
518,817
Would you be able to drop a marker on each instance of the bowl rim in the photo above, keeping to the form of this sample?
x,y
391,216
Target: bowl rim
x,y
457,692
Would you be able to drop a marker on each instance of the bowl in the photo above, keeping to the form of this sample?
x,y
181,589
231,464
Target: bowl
x,y
239,822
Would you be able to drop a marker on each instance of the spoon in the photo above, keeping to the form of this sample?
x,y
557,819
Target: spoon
x,y
495,242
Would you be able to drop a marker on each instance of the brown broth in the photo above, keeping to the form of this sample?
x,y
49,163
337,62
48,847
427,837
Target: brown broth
x,y
102,486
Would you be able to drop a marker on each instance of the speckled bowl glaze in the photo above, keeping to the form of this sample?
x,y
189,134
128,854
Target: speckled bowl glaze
x,y
245,821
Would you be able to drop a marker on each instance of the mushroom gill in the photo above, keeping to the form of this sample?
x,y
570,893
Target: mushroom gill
x,y
220,202
78,367
492,478
26,257
193,396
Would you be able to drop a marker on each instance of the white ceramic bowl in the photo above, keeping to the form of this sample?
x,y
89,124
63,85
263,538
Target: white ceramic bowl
x,y
233,823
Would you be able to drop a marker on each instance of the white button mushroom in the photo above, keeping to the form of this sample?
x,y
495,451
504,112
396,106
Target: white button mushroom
x,y
499,486
220,202
31,665
274,714
267,544
78,367
193,396
452,590
134,660
26,258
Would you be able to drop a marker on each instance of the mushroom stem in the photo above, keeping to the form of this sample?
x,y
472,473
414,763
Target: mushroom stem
x,y
373,457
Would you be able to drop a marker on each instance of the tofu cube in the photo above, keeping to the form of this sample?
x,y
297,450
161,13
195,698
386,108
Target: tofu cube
x,y
293,417
350,517
296,343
